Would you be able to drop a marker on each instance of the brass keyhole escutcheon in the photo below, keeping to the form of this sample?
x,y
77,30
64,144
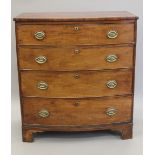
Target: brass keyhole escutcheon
x,y
76,76
77,103
76,28
76,51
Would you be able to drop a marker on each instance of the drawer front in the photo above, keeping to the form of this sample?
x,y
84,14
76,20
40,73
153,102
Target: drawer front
x,y
75,58
76,84
75,34
76,112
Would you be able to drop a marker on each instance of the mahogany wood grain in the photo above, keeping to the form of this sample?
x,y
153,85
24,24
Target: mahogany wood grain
x,y
67,112
76,16
124,129
57,35
64,84
67,59
64,90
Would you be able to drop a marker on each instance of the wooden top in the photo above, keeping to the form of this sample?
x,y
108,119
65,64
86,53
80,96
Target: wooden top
x,y
75,16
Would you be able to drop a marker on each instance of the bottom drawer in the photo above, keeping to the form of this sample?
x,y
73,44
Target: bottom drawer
x,y
92,111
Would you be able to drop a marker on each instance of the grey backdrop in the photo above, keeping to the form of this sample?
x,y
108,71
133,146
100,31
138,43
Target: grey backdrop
x,y
97,144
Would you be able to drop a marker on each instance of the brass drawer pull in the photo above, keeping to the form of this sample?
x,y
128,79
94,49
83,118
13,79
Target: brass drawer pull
x,y
42,85
111,58
112,34
111,111
76,76
76,51
43,113
76,28
41,59
39,35
111,84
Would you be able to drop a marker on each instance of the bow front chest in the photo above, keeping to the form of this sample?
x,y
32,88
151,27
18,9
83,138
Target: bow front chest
x,y
76,71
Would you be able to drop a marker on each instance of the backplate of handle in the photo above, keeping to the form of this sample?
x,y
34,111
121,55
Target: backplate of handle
x,y
43,113
40,59
112,34
42,85
111,111
111,84
111,58
40,35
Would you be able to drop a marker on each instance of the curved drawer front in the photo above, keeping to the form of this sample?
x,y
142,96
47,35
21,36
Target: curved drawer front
x,y
75,58
76,84
68,112
75,34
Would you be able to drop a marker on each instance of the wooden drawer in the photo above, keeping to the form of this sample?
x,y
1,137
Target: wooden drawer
x,y
75,58
75,34
75,84
77,111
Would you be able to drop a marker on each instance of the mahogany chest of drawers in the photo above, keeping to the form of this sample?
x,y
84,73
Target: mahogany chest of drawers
x,y
76,71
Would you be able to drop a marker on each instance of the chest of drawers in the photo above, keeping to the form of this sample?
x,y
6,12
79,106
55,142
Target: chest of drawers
x,y
76,71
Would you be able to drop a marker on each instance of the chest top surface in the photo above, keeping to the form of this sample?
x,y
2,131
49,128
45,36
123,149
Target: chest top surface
x,y
76,16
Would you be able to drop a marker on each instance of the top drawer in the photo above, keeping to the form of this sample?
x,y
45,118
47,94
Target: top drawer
x,y
75,34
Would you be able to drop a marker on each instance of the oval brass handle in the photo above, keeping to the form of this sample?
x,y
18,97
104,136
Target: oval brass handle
x,y
42,85
111,84
111,111
41,59
76,76
111,58
112,34
43,113
39,35
76,28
